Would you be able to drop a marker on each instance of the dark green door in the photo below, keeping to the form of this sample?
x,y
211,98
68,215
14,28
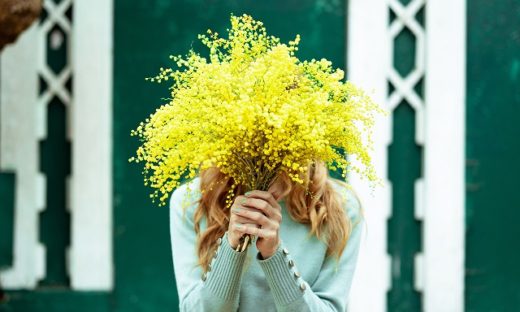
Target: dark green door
x,y
493,146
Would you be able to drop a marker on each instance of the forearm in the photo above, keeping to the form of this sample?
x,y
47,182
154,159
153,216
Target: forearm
x,y
219,288
330,290
290,291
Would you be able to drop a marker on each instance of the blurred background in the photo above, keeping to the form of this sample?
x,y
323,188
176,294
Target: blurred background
x,y
78,231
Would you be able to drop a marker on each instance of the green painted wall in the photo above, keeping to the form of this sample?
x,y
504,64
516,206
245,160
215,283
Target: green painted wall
x,y
7,189
145,35
493,146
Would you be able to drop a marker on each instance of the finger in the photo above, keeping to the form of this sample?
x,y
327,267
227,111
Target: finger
x,y
236,207
253,215
260,232
236,216
239,219
273,225
267,196
263,206
242,202
237,226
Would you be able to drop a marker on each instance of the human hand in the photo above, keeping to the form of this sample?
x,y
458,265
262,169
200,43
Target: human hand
x,y
236,221
258,213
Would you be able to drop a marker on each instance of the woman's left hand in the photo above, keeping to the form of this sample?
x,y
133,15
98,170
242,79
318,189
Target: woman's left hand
x,y
265,212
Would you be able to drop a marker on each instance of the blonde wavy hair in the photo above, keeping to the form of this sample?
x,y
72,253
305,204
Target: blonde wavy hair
x,y
324,211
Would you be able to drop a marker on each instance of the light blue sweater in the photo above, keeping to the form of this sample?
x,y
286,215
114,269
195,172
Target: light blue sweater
x,y
296,278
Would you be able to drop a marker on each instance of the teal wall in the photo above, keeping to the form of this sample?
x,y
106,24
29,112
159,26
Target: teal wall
x,y
146,33
7,189
493,146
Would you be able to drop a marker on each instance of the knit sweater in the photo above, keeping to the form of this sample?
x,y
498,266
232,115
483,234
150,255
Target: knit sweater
x,y
297,277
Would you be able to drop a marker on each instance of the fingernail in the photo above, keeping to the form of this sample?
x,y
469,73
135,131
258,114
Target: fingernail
x,y
235,209
238,225
243,201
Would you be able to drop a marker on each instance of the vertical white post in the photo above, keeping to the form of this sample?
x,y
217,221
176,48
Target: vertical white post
x,y
90,257
368,61
19,153
444,156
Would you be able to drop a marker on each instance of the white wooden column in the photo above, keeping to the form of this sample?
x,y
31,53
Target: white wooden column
x,y
91,257
89,128
444,229
368,61
439,194
19,154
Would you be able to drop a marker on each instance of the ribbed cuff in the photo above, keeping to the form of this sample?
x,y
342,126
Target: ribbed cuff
x,y
285,285
223,280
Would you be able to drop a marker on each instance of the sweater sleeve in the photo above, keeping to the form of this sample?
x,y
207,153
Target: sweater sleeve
x,y
219,288
330,291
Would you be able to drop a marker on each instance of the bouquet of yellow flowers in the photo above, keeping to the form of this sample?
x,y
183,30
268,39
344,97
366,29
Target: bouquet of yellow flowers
x,y
252,109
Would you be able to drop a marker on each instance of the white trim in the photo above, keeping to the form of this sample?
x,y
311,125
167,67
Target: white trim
x,y
444,156
19,153
368,61
91,260
440,193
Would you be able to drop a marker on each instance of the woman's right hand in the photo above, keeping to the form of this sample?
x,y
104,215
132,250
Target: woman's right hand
x,y
236,221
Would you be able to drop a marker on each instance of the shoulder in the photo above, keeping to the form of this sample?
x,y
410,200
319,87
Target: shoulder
x,y
185,198
349,199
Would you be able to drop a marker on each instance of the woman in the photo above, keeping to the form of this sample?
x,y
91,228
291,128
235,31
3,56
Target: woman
x,y
303,257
